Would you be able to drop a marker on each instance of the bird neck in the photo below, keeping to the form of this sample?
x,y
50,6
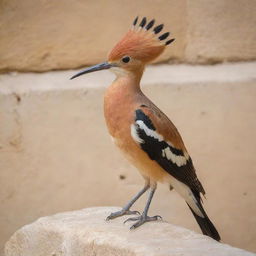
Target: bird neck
x,y
119,100
123,89
127,80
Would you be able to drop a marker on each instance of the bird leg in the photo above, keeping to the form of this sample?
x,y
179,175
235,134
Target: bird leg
x,y
144,216
126,209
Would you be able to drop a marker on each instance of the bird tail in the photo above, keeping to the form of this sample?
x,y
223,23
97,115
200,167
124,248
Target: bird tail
x,y
205,224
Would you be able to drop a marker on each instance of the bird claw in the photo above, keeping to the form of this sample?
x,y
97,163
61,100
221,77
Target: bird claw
x,y
131,219
158,217
142,219
114,215
135,212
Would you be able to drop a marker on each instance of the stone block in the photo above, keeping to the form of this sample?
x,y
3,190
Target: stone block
x,y
220,31
86,232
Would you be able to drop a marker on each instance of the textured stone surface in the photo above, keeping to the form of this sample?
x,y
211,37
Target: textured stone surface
x,y
222,30
86,232
56,154
63,35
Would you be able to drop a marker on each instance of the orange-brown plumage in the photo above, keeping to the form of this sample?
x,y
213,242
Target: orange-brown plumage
x,y
140,44
142,131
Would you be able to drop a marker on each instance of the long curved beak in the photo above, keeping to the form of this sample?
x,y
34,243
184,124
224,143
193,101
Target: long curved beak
x,y
101,66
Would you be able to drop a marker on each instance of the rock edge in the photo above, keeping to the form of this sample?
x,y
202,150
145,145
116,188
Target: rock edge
x,y
86,232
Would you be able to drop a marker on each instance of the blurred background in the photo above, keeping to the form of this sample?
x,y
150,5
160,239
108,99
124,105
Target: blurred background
x,y
55,152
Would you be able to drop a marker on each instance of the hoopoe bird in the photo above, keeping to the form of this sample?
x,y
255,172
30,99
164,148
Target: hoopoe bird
x,y
142,131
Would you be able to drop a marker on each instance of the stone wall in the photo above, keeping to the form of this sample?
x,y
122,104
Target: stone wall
x,y
48,35
56,154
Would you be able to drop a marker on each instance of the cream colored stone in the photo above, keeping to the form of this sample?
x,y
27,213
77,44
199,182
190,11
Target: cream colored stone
x,y
56,154
86,232
50,35
222,30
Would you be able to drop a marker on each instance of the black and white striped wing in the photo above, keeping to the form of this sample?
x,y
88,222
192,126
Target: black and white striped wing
x,y
174,161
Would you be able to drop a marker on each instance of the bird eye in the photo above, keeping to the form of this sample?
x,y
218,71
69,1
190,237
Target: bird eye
x,y
126,59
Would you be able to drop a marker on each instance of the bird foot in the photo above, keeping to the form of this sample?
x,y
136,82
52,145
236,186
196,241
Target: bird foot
x,y
142,219
114,215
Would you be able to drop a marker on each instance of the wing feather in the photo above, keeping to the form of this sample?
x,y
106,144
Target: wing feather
x,y
173,160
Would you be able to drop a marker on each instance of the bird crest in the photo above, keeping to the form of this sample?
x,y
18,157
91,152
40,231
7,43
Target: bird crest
x,y
142,42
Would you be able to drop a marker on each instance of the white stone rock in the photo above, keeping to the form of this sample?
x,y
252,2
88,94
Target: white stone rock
x,y
86,232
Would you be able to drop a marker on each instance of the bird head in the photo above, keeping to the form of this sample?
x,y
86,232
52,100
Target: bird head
x,y
139,46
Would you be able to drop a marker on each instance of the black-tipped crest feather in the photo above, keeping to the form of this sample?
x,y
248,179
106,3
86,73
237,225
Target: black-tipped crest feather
x,y
135,21
158,28
150,24
143,22
169,41
164,36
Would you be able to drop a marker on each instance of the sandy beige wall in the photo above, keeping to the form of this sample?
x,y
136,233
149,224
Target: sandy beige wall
x,y
222,30
56,154
44,35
